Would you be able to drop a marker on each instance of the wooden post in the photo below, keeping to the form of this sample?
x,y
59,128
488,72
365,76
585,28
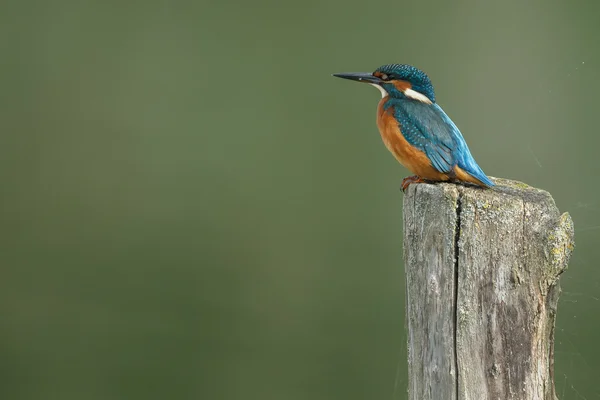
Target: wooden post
x,y
482,269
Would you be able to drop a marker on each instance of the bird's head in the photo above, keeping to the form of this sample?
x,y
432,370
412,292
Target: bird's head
x,y
397,80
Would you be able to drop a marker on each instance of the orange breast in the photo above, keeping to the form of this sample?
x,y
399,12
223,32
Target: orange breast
x,y
411,157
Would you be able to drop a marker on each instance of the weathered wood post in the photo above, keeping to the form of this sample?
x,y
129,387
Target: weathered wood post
x,y
482,269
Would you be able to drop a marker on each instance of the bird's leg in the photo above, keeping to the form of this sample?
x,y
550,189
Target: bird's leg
x,y
411,179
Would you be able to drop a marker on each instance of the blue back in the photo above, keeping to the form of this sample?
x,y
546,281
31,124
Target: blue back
x,y
428,128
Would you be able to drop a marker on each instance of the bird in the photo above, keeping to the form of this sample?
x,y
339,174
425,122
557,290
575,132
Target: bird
x,y
416,130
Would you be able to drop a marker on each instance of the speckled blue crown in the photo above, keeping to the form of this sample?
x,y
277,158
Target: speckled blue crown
x,y
417,78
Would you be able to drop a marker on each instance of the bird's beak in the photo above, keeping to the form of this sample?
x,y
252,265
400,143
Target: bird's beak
x,y
360,77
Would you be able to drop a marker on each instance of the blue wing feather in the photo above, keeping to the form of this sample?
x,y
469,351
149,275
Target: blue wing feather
x,y
428,128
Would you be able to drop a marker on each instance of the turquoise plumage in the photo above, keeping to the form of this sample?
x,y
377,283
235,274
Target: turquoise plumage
x,y
416,130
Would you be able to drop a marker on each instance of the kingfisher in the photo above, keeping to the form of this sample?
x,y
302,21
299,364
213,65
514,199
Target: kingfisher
x,y
416,130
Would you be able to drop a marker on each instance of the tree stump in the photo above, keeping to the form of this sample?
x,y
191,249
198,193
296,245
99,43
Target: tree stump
x,y
482,282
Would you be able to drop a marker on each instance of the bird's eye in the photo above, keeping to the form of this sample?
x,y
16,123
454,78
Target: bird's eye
x,y
385,77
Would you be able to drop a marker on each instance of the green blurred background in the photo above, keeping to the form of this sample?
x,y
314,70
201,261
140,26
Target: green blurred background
x,y
193,208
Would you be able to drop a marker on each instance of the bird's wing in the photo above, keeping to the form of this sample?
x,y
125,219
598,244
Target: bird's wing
x,y
424,127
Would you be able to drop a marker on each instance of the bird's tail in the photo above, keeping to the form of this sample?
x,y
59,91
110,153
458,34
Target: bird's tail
x,y
470,167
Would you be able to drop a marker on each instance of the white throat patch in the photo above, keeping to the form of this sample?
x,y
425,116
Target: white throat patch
x,y
413,94
382,90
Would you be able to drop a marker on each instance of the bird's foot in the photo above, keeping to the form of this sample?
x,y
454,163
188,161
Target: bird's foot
x,y
411,179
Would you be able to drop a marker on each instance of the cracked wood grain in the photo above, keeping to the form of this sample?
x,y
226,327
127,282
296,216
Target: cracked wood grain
x,y
482,274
